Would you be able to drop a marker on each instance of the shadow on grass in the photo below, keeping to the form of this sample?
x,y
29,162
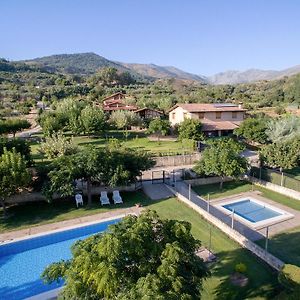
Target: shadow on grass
x,y
38,213
285,246
262,279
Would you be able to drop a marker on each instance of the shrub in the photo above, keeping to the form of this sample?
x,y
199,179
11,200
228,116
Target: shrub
x,y
190,129
240,268
289,277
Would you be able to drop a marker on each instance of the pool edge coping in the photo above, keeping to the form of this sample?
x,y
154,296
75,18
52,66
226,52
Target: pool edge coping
x,y
285,215
83,224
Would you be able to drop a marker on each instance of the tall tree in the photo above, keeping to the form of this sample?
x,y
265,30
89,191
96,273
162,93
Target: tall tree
x,y
13,126
92,120
141,257
13,175
222,158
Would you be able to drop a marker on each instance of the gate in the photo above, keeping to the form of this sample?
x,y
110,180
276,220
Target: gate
x,y
167,177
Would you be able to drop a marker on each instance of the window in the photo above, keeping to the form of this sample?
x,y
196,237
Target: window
x,y
234,115
184,115
218,115
201,115
173,116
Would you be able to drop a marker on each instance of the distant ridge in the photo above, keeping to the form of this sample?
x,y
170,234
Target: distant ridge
x,y
89,63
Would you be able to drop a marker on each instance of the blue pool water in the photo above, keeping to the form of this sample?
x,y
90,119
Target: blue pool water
x,y
251,210
21,263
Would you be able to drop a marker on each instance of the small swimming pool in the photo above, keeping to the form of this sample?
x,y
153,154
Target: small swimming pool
x,y
251,210
22,262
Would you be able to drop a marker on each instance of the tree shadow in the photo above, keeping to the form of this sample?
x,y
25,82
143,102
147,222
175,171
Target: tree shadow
x,y
285,246
262,279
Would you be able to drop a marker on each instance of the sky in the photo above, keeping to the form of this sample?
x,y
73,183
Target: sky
x,y
199,36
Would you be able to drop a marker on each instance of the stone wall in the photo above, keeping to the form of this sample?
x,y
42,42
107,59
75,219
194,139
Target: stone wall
x,y
208,180
270,259
177,160
38,196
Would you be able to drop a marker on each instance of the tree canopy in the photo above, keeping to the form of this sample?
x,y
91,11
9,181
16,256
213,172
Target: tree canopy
x,y
222,158
13,174
112,167
13,126
282,155
253,129
141,257
159,127
190,129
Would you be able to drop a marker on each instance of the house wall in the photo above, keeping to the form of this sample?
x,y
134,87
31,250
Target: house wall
x,y
225,116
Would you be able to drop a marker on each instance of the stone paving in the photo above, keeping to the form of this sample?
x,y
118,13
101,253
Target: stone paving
x,y
16,234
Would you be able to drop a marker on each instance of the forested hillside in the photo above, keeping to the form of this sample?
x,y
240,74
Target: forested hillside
x,y
22,85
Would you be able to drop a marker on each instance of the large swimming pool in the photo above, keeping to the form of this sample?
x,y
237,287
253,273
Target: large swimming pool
x,y
22,262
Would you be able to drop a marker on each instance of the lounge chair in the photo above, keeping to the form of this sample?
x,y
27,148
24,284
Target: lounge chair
x,y
104,198
117,198
78,199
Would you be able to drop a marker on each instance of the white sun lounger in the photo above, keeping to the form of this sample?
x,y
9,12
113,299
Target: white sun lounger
x,y
104,198
117,198
78,199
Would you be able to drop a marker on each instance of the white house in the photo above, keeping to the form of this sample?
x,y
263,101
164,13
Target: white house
x,y
218,118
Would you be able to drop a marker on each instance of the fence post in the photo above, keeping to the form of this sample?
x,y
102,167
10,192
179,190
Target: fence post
x,y
232,219
190,192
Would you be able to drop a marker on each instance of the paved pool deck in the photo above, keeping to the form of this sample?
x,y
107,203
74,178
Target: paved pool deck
x,y
273,229
40,229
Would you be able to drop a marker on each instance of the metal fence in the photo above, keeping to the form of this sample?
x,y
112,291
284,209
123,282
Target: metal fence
x,y
276,177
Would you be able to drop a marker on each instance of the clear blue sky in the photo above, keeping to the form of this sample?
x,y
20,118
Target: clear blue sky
x,y
203,37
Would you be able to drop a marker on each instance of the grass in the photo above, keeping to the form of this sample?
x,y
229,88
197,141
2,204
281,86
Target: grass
x,y
237,187
134,140
38,213
262,280
295,172
228,252
285,246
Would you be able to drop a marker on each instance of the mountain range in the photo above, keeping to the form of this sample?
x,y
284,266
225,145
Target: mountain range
x,y
89,63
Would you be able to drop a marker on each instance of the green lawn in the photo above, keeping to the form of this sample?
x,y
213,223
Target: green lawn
x,y
237,187
262,280
286,246
295,172
134,140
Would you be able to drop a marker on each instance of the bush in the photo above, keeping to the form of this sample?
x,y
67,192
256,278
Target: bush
x,y
190,129
289,277
240,268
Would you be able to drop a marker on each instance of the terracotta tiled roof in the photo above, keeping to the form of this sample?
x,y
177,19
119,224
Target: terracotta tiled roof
x,y
115,94
125,107
220,125
207,107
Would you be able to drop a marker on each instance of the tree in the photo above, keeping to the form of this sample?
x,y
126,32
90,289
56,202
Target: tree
x,y
222,158
12,126
13,175
141,257
190,129
58,145
124,119
20,145
159,127
253,129
92,120
109,166
282,155
285,128
51,123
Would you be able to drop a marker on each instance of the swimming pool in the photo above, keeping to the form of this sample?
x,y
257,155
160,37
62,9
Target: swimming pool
x,y
22,262
253,212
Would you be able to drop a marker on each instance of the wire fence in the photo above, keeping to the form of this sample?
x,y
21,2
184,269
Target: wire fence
x,y
276,177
